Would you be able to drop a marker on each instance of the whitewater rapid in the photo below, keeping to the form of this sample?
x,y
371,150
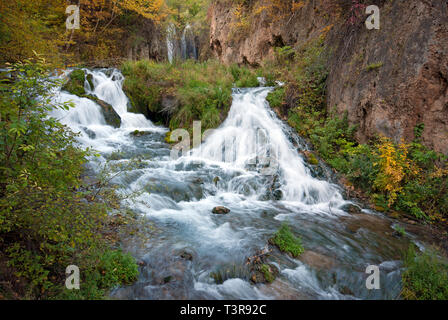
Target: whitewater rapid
x,y
249,165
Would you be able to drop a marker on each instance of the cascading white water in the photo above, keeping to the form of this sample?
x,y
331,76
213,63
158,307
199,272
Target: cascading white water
x,y
87,117
188,43
170,41
252,131
235,167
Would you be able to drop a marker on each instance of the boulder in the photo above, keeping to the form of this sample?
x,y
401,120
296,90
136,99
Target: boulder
x,y
220,210
110,115
75,83
317,260
352,208
137,133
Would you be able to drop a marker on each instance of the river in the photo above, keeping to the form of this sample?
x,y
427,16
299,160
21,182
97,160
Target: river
x,y
252,165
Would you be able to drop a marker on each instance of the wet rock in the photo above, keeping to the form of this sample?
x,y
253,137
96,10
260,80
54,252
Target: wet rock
x,y
273,192
138,133
370,222
90,133
110,115
346,291
220,210
317,260
283,291
169,104
141,263
186,255
352,208
264,273
89,79
75,83
277,194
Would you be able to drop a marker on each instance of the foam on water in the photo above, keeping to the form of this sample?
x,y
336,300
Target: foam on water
x,y
234,167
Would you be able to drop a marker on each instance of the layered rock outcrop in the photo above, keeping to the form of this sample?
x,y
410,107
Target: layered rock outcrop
x,y
388,80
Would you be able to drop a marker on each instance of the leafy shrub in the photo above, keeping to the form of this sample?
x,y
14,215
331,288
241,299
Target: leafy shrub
x,y
47,221
425,277
276,97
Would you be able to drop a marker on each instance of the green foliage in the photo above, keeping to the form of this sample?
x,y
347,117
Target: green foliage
x,y
374,66
276,97
110,269
284,55
425,277
75,83
266,270
202,91
285,240
48,220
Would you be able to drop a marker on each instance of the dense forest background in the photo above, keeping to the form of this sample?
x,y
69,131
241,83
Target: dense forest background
x,y
108,28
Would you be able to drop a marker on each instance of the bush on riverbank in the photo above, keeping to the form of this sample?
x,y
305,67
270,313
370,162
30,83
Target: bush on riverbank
x,y
48,219
179,93
425,277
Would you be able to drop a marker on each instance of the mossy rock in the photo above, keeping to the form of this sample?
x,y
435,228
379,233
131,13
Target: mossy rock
x,y
264,273
311,158
110,115
287,242
89,79
137,133
75,83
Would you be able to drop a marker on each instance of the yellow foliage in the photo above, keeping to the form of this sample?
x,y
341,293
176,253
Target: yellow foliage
x,y
297,5
394,167
150,9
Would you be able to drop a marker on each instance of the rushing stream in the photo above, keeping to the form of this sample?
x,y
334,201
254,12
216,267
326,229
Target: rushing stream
x,y
251,164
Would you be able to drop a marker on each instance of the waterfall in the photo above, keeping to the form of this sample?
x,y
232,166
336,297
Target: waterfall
x,y
252,131
170,41
87,117
189,50
239,165
185,47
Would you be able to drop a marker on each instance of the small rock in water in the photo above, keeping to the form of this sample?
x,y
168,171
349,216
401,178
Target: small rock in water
x,y
352,208
220,210
138,133
186,255
141,263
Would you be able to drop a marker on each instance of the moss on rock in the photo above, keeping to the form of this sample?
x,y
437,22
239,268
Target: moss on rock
x,y
287,242
75,83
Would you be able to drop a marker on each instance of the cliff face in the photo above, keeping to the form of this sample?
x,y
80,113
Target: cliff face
x,y
389,80
147,42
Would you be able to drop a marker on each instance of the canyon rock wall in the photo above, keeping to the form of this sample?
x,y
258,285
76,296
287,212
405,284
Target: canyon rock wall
x,y
388,80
